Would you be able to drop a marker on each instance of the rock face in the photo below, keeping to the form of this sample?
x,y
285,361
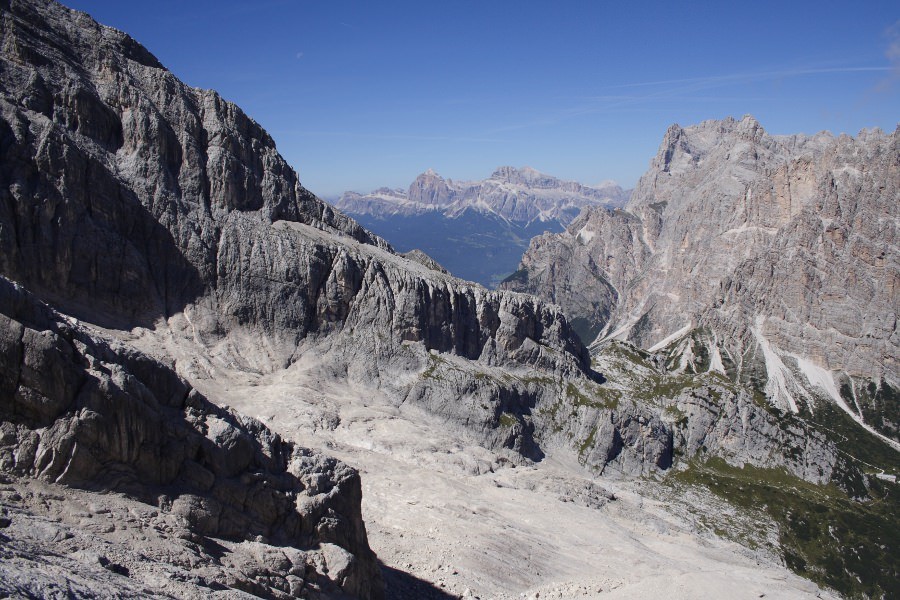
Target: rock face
x,y
92,413
195,223
478,229
710,416
783,247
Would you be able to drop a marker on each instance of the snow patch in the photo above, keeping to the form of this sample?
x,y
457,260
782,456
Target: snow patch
x,y
585,235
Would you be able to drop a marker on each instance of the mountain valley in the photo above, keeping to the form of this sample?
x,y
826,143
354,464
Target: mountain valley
x,y
214,384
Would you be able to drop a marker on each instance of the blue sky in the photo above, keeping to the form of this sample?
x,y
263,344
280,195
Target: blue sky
x,y
363,94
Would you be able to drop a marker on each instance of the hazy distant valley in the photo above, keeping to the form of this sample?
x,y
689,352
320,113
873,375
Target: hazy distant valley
x,y
477,230
215,384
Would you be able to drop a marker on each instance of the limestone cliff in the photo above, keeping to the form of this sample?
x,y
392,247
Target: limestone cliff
x,y
783,247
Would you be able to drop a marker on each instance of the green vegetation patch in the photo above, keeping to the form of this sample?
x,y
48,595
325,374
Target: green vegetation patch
x,y
668,387
588,443
824,535
520,276
538,380
677,415
878,401
868,452
602,397
430,372
508,420
631,353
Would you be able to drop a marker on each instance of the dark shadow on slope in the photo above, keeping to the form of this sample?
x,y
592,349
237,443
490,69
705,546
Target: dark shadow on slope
x,y
399,585
82,240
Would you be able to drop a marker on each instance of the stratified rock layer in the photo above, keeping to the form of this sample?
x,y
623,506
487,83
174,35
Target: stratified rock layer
x,y
131,199
128,196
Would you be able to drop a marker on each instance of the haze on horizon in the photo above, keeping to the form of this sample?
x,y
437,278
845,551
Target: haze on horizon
x,y
359,95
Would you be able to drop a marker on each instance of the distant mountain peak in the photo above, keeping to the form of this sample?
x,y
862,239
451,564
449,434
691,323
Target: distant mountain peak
x,y
523,174
477,229
520,195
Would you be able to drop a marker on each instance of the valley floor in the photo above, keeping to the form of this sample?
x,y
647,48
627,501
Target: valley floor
x,y
451,519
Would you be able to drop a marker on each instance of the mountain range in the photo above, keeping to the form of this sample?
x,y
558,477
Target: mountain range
x,y
213,383
476,229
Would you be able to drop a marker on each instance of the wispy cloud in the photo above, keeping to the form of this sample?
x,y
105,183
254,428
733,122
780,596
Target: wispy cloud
x,y
892,53
689,90
397,136
749,77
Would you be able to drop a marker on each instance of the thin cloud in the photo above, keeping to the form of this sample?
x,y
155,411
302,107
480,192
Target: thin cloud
x,y
396,136
685,90
749,77
892,53
299,55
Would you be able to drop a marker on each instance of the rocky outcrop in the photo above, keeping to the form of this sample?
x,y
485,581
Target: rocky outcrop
x,y
582,268
117,178
92,413
785,244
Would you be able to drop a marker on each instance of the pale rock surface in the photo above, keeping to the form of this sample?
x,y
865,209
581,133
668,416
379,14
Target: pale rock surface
x,y
466,522
782,242
91,413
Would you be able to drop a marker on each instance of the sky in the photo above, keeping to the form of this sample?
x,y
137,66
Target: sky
x,y
364,94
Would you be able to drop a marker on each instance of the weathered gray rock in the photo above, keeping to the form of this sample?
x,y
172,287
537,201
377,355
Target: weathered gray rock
x,y
582,269
184,201
425,260
108,160
95,414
